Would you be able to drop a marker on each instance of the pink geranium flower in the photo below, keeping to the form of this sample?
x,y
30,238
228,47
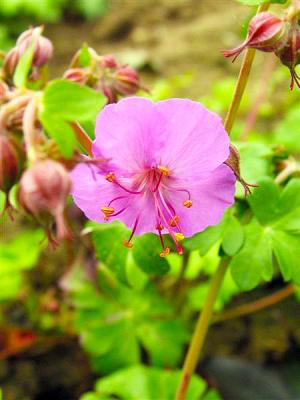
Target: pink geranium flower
x,y
165,170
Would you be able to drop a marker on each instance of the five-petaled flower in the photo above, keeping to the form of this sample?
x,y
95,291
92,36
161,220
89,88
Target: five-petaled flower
x,y
165,170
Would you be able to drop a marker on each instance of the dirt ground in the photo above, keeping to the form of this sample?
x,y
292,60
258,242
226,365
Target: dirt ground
x,y
162,38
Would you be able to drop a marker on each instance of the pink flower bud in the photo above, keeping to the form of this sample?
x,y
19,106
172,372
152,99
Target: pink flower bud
x,y
126,80
10,62
43,46
108,61
266,32
43,192
78,75
12,158
289,54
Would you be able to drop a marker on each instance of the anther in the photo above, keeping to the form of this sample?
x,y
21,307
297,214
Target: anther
x,y
107,211
165,252
160,227
110,177
179,236
164,170
174,221
188,203
127,244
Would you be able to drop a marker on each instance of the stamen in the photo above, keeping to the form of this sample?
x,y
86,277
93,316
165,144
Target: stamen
x,y
188,203
160,227
110,177
179,236
165,252
158,183
107,211
127,190
174,221
164,170
127,243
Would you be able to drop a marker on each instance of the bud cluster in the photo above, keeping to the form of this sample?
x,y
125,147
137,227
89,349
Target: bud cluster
x,y
269,33
106,75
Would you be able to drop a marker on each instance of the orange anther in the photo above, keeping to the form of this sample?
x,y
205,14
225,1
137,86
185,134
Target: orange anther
x,y
174,221
160,227
179,236
107,211
110,177
188,203
164,170
165,252
127,244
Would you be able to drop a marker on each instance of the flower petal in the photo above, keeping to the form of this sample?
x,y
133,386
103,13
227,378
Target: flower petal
x,y
130,133
197,141
211,197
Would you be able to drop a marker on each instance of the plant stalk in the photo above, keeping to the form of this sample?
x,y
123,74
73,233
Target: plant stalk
x,y
200,332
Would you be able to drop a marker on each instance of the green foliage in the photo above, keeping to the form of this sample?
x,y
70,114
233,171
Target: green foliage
x,y
116,322
287,131
258,2
274,230
23,68
145,250
139,382
16,256
63,102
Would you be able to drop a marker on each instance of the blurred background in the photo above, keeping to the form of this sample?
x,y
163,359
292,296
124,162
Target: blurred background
x,y
175,46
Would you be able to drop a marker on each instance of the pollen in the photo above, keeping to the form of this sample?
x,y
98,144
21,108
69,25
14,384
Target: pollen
x,y
110,177
107,211
174,221
179,236
164,170
188,203
160,227
127,244
165,252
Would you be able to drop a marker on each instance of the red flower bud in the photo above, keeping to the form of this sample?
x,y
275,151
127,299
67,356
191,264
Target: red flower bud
x,y
289,54
266,32
78,75
43,46
126,80
108,61
43,192
12,158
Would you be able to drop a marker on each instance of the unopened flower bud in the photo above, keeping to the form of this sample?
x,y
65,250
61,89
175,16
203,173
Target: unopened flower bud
x,y
43,46
233,162
266,32
10,62
126,80
43,192
108,61
12,158
289,54
78,75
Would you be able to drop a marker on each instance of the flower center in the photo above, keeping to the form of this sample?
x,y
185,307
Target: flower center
x,y
158,183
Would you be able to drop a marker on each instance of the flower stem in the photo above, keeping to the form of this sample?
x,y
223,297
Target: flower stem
x,y
241,82
200,332
257,305
201,329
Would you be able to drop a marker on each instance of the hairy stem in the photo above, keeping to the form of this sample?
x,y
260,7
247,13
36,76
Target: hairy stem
x,y
200,332
257,305
201,329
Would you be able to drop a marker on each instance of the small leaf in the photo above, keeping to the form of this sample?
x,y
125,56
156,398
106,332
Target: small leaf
x,y
23,67
254,261
233,236
84,56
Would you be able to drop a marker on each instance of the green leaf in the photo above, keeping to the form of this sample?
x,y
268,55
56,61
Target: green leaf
x,y
84,56
64,102
71,101
287,132
233,236
140,382
254,261
287,251
110,250
146,249
23,67
255,163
